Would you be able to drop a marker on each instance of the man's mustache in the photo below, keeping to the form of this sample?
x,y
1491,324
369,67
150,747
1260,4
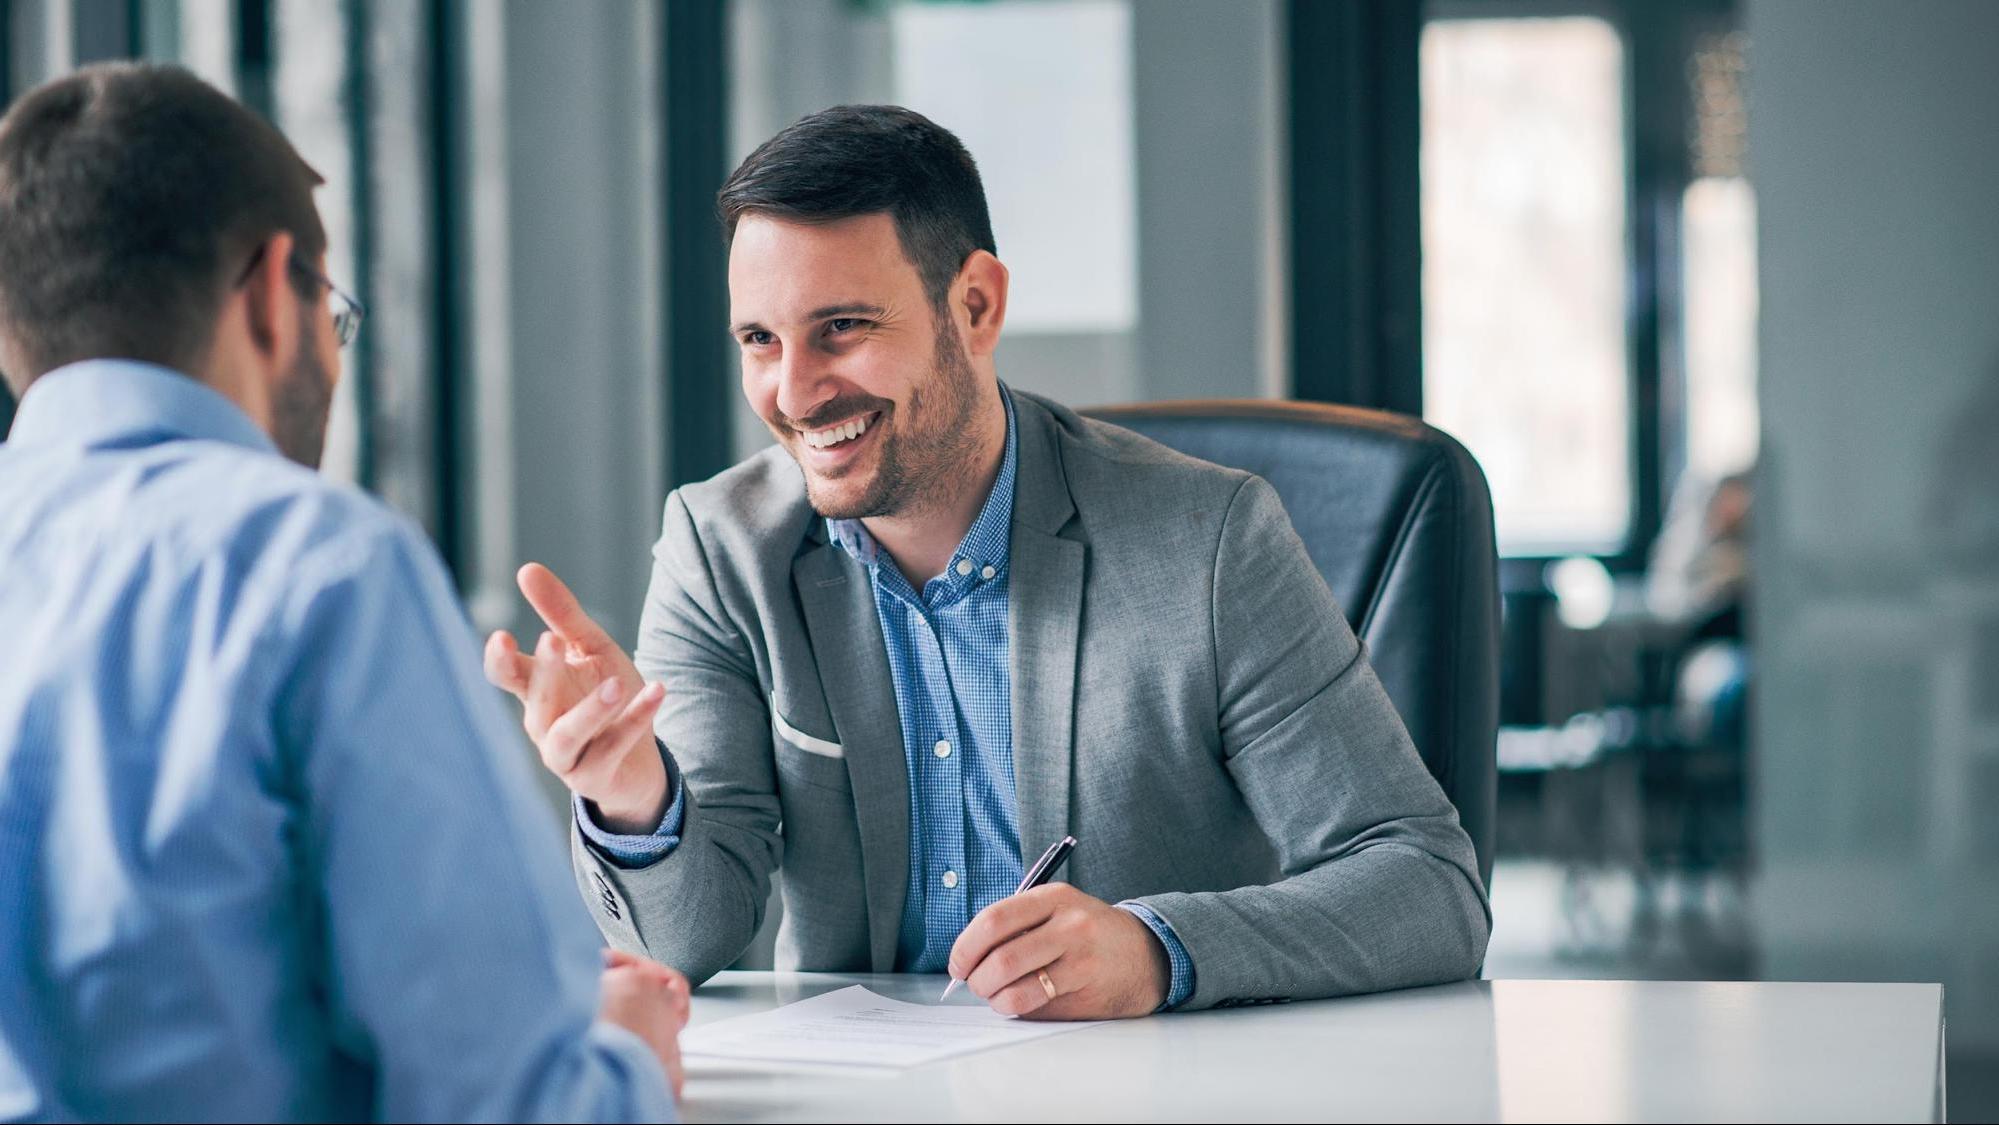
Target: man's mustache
x,y
839,410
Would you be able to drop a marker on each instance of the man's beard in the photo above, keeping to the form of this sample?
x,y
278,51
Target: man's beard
x,y
932,446
303,400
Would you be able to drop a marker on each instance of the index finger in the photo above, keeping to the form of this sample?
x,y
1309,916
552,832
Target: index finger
x,y
559,608
998,924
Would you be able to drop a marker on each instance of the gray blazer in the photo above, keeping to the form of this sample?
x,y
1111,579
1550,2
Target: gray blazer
x,y
1188,701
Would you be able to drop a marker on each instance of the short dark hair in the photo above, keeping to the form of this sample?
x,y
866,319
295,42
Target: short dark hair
x,y
865,160
127,193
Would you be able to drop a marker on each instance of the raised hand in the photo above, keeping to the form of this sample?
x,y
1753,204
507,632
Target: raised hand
x,y
587,710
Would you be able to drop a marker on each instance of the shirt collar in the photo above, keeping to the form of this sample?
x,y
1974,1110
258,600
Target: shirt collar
x,y
97,402
988,541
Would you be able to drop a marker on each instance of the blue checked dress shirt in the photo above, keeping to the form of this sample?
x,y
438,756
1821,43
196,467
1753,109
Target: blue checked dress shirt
x,y
948,655
259,857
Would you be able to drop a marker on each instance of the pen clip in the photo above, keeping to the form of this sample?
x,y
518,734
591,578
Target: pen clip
x,y
1038,874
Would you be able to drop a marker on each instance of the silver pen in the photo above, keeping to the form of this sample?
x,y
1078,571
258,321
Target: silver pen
x,y
1042,871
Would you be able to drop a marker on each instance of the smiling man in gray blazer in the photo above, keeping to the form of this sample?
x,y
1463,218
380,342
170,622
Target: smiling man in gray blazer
x,y
942,624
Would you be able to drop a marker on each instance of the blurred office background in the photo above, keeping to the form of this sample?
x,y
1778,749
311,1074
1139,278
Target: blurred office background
x,y
1708,288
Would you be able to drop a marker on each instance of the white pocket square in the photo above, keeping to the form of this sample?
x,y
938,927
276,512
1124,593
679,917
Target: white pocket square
x,y
800,739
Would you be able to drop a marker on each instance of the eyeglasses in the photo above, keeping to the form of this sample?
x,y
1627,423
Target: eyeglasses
x,y
347,312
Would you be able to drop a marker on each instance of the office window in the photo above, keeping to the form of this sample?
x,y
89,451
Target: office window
x,y
1526,357
1718,232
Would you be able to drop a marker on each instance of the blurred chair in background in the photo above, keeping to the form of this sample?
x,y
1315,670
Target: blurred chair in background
x,y
1698,581
1396,516
1624,754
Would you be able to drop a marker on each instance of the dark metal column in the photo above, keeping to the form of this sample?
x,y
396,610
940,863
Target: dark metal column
x,y
1356,233
699,370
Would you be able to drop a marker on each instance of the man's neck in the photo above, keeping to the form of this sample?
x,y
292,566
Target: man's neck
x,y
921,540
232,373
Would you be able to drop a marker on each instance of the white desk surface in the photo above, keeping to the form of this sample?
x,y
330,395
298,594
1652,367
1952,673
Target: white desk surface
x,y
1477,1051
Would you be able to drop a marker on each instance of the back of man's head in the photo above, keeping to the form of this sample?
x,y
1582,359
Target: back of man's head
x,y
128,194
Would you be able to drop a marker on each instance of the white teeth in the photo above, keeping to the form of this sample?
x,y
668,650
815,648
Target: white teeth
x,y
834,435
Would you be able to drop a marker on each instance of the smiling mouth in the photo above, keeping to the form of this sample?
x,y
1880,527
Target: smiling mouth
x,y
832,437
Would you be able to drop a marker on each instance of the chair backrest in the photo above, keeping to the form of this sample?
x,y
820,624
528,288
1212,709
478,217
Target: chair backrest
x,y
1397,517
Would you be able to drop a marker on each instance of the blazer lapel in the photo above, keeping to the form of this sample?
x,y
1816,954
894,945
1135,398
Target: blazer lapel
x,y
847,646
1045,614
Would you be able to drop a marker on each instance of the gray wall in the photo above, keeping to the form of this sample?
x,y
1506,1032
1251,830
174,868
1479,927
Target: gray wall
x,y
1211,280
568,438
1877,785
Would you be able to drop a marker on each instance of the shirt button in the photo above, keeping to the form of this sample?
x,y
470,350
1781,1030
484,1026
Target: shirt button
x,y
964,566
943,748
988,573
950,880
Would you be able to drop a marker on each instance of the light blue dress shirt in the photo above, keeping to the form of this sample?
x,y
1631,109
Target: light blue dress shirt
x,y
259,856
948,655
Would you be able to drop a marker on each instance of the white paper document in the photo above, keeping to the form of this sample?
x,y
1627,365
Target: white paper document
x,y
855,1027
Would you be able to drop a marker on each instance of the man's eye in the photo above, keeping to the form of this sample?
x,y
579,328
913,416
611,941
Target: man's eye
x,y
844,324
759,339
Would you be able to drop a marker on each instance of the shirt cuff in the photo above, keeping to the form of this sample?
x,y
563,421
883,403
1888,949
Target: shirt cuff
x,y
1181,983
639,851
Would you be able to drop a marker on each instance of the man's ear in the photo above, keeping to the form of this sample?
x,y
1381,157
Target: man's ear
x,y
271,304
981,295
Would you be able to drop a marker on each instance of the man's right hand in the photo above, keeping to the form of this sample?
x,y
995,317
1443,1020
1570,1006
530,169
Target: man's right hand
x,y
649,1000
587,710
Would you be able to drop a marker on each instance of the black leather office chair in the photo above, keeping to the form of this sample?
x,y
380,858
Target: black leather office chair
x,y
1397,517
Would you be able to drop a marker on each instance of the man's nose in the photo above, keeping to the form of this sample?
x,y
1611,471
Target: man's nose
x,y
804,384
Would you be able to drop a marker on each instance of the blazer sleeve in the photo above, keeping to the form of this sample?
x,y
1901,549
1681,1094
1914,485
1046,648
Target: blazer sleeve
x,y
1379,884
698,907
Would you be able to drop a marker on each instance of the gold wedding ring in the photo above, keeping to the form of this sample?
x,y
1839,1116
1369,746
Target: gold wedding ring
x,y
1047,985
